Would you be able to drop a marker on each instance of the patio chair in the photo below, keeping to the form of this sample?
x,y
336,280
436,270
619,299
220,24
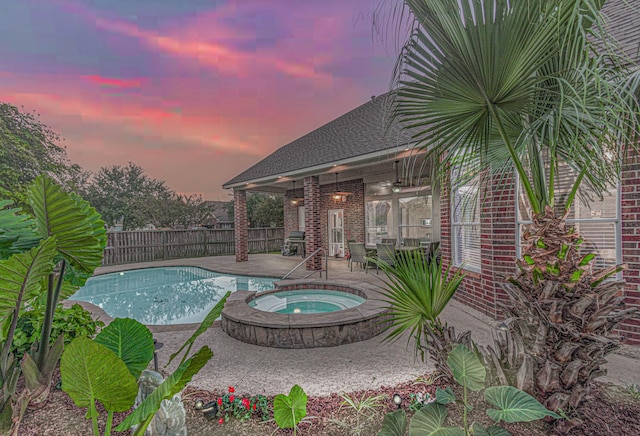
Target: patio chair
x,y
358,254
411,242
386,253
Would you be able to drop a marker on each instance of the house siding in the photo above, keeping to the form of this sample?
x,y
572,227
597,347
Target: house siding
x,y
482,291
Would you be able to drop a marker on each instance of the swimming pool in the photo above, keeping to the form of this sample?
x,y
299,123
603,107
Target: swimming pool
x,y
163,296
306,301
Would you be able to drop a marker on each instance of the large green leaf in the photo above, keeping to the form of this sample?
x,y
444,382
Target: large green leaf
x,y
90,372
431,420
494,430
467,368
288,410
131,341
79,231
21,275
171,386
445,396
514,405
207,322
394,424
16,231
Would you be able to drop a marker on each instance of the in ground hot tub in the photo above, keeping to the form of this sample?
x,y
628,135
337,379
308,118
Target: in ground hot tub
x,y
305,315
306,301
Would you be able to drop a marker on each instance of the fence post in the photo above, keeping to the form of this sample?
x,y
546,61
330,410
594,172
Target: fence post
x,y
165,242
266,240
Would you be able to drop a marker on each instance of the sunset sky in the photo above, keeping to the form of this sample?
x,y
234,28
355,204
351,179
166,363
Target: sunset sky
x,y
194,91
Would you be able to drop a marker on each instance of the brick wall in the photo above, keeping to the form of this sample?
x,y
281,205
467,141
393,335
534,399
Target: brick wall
x,y
240,223
481,290
630,208
353,211
313,235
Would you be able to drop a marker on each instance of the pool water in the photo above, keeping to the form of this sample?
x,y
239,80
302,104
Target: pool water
x,y
306,301
162,296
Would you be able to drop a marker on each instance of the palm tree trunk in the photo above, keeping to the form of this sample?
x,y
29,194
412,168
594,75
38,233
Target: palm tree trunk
x,y
561,316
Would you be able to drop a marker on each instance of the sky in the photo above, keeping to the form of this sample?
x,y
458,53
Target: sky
x,y
193,91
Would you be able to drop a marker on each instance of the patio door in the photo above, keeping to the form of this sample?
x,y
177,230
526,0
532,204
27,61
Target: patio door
x,y
336,232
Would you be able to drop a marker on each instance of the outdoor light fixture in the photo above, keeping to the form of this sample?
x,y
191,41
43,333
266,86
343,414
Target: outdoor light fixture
x,y
199,404
397,185
339,195
210,410
397,400
295,200
503,327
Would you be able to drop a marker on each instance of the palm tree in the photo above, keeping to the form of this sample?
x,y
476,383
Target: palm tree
x,y
417,291
533,86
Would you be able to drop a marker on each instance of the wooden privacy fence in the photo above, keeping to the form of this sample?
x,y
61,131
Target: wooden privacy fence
x,y
150,245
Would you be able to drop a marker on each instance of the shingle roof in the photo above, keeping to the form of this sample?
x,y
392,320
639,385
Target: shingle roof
x,y
363,130
360,131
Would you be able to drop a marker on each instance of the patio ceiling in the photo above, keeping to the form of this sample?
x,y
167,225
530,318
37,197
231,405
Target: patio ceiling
x,y
377,172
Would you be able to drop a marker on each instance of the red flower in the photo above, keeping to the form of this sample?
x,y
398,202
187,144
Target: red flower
x,y
219,401
245,402
221,421
231,398
254,406
231,389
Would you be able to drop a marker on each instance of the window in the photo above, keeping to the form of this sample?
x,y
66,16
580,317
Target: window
x,y
378,221
465,223
597,220
415,218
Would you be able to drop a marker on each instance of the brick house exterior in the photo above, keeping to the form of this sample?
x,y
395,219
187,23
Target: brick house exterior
x,y
359,147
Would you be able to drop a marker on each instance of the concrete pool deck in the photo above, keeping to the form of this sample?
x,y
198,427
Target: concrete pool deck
x,y
368,364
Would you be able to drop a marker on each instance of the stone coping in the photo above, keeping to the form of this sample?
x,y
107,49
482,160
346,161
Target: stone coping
x,y
254,326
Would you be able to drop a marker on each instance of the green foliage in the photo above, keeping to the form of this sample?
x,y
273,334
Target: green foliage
x,y
16,230
21,277
289,410
394,424
431,421
28,148
467,368
445,396
493,430
79,231
207,322
173,384
418,291
365,405
514,405
126,195
555,84
70,323
91,372
131,341
263,210
242,408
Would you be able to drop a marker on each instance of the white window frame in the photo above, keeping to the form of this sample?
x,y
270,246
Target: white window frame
x,y
456,226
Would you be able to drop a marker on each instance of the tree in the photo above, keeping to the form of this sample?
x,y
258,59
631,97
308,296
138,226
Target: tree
x,y
29,148
263,210
124,193
493,86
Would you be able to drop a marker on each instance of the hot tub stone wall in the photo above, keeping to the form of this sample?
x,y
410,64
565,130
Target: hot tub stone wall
x,y
269,329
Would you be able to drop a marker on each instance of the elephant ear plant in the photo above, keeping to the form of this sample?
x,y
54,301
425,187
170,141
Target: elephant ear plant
x,y
106,369
46,253
511,404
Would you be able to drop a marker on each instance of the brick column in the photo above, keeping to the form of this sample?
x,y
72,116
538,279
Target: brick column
x,y
630,207
240,225
313,233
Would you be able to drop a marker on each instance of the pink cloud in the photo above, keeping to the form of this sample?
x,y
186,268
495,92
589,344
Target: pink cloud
x,y
113,82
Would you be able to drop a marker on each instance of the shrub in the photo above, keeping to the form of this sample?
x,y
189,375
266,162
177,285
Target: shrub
x,y
73,322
